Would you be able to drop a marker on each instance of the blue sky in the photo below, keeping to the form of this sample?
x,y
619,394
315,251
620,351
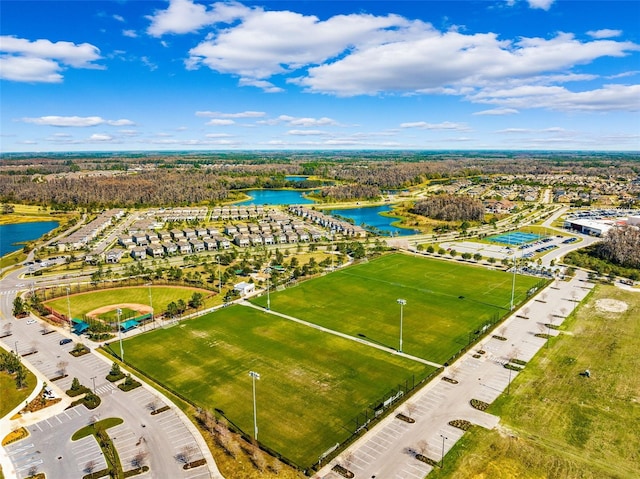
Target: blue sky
x,y
192,75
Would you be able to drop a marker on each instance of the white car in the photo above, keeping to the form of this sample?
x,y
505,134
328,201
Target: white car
x,y
31,321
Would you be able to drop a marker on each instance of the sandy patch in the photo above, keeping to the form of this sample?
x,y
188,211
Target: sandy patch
x,y
611,305
141,308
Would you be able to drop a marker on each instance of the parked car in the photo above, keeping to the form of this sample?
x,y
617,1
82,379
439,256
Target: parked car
x,y
31,321
65,341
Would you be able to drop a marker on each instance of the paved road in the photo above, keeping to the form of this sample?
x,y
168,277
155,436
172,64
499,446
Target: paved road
x,y
388,450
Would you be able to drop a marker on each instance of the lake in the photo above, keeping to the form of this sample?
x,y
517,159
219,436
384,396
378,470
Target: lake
x,y
275,197
21,232
369,218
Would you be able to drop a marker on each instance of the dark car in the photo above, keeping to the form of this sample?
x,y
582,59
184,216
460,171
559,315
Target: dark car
x,y
65,341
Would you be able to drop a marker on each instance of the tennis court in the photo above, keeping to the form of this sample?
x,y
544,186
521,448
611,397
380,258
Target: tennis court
x,y
514,238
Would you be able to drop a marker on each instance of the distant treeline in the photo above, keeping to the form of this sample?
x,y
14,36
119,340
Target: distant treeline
x,y
144,179
450,208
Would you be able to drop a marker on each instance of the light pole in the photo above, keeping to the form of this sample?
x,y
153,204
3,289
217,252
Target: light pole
x,y
401,302
219,276
94,384
513,283
69,307
254,375
16,347
119,312
442,457
151,305
509,384
268,271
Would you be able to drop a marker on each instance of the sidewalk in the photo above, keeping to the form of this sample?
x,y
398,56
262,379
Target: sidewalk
x,y
388,450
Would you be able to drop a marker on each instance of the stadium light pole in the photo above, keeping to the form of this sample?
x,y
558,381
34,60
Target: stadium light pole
x,y
401,302
513,282
16,347
268,271
93,378
69,307
254,375
151,306
219,276
119,312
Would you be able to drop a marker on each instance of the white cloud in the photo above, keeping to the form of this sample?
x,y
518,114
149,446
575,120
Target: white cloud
x,y
184,16
264,85
306,132
436,61
607,98
148,63
624,74
242,114
121,122
220,122
445,125
119,18
76,121
307,122
100,137
553,129
42,60
25,69
218,135
130,33
498,111
266,43
604,33
541,4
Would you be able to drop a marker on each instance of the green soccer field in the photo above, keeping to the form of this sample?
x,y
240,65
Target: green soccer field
x,y
446,301
312,384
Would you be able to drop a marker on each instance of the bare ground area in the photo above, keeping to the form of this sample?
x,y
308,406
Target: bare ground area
x,y
141,308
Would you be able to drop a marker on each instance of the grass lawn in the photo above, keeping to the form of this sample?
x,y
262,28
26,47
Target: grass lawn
x,y
12,396
446,301
312,384
565,425
83,303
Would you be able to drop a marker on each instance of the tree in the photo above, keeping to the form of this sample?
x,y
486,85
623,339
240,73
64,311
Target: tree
x,y
139,459
75,384
181,305
422,447
196,301
19,307
21,376
186,453
62,367
115,370
172,309
90,466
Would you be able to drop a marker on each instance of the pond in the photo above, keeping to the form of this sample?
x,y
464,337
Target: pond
x,y
295,178
275,197
12,235
369,218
